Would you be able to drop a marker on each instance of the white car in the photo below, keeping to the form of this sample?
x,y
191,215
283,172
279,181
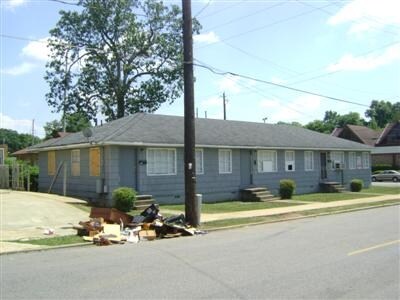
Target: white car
x,y
388,175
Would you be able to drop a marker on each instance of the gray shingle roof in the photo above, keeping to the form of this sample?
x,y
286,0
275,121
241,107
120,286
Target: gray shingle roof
x,y
148,129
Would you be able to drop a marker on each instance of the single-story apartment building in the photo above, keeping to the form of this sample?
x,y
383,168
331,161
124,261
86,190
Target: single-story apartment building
x,y
145,152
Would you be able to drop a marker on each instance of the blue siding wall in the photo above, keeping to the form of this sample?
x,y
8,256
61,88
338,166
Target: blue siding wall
x,y
126,166
81,186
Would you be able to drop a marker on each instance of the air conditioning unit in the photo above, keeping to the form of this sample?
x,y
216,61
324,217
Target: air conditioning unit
x,y
338,165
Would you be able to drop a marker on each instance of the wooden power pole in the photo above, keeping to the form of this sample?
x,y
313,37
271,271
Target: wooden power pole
x,y
191,209
224,100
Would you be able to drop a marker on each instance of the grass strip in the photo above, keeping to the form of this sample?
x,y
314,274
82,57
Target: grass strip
x,y
329,197
220,224
230,206
382,190
53,241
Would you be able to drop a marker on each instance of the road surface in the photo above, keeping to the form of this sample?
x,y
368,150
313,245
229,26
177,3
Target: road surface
x,y
345,256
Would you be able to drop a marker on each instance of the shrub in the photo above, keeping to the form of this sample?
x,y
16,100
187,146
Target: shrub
x,y
356,185
381,167
123,198
286,188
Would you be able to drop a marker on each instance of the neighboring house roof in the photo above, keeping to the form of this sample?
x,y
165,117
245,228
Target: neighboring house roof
x,y
386,131
142,129
386,150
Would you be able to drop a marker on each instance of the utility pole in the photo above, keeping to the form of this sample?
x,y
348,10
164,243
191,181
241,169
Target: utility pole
x,y
191,209
224,100
33,131
65,91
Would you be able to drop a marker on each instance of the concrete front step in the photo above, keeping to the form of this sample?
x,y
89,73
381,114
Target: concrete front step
x,y
256,194
332,187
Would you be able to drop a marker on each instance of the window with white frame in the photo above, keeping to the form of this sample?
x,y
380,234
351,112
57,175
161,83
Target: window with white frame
x,y
225,161
337,159
161,161
75,162
266,161
359,161
365,160
289,161
199,161
308,160
352,160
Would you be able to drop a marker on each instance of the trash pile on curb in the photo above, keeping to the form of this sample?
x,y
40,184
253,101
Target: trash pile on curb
x,y
109,225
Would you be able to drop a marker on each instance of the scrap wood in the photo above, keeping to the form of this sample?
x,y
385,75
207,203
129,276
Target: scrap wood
x,y
110,215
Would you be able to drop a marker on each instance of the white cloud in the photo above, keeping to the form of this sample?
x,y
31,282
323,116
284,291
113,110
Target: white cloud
x,y
229,84
206,38
269,103
12,4
212,102
22,126
37,50
368,14
277,80
21,69
297,110
369,62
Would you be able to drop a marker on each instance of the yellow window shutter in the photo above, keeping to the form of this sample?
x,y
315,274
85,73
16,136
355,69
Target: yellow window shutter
x,y
94,167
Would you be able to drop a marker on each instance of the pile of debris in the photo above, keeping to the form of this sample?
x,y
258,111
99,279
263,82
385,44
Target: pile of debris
x,y
109,225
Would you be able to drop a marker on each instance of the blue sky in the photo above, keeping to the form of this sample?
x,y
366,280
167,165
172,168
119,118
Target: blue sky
x,y
348,50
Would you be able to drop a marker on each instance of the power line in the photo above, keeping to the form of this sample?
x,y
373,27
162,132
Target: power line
x,y
223,10
354,21
213,70
264,26
246,16
203,8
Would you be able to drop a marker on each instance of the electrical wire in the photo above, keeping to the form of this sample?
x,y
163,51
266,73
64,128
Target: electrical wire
x,y
263,27
223,73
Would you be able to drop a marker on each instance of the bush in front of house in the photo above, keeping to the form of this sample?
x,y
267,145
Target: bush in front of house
x,y
286,188
381,167
356,185
123,198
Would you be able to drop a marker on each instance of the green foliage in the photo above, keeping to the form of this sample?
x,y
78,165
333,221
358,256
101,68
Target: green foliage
x,y
356,185
29,170
381,167
286,188
383,112
74,122
17,141
123,198
116,57
333,119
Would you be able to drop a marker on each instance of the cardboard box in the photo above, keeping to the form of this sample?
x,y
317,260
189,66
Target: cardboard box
x,y
148,235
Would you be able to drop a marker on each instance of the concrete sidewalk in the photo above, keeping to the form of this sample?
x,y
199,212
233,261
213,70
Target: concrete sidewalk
x,y
293,209
15,229
25,215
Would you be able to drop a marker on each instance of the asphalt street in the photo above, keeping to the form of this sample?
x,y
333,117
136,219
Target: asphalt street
x,y
345,256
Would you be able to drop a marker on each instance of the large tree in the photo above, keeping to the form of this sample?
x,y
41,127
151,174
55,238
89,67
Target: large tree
x,y
332,119
116,57
383,112
17,141
73,122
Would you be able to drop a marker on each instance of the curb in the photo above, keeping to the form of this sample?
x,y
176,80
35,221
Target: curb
x,y
48,248
300,217
217,228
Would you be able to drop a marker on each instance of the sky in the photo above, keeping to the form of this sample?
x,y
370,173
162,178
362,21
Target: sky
x,y
338,55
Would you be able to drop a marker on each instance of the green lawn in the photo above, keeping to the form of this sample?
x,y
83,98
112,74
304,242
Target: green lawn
x,y
55,241
281,217
229,206
382,190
